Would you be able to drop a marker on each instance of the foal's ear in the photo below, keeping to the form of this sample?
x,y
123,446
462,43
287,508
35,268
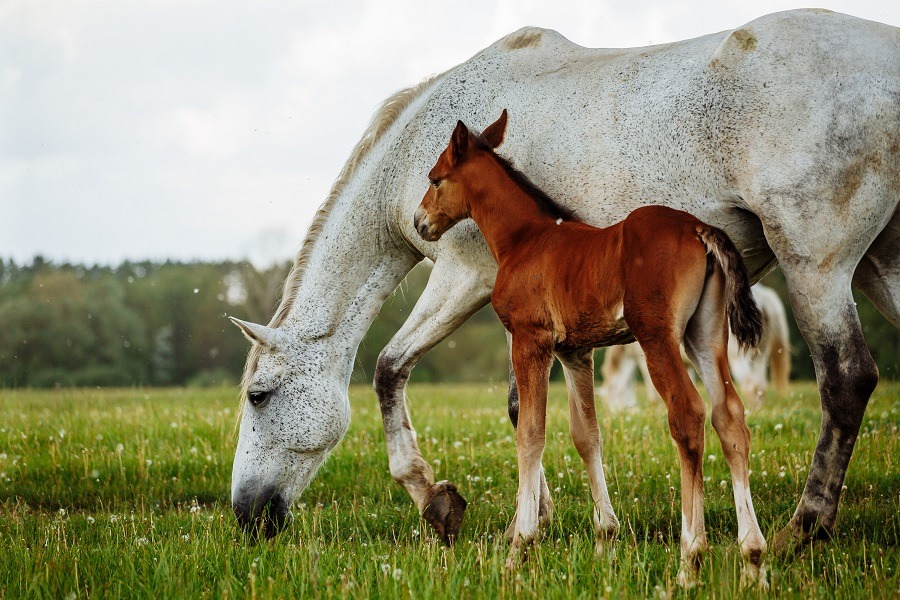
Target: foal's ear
x,y
459,141
494,133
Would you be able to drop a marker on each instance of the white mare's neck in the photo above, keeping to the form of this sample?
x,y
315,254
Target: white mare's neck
x,y
354,264
358,253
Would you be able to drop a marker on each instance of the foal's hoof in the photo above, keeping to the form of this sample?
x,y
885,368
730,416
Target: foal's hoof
x,y
689,573
754,576
444,512
545,515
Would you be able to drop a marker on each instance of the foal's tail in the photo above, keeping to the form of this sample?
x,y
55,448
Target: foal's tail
x,y
743,313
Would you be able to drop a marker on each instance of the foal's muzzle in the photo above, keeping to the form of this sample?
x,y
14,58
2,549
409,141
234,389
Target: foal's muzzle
x,y
423,226
267,513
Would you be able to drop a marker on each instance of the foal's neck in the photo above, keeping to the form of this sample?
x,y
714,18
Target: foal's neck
x,y
505,213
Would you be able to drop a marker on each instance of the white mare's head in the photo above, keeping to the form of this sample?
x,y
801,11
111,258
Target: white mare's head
x,y
294,413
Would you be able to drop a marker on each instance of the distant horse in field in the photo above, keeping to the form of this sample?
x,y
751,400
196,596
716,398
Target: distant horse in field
x,y
785,133
749,368
564,288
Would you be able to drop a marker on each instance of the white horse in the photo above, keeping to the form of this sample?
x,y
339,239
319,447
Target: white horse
x,y
784,132
748,367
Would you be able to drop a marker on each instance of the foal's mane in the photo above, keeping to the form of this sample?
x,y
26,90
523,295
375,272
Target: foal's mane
x,y
546,204
382,119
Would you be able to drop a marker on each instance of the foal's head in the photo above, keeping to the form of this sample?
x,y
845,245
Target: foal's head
x,y
447,200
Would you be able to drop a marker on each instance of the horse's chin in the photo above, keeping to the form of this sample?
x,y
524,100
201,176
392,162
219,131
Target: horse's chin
x,y
262,515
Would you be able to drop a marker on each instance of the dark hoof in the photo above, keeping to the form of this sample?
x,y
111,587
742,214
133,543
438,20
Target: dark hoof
x,y
444,512
793,538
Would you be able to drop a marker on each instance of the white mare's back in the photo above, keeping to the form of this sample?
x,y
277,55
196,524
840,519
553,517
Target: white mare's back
x,y
716,125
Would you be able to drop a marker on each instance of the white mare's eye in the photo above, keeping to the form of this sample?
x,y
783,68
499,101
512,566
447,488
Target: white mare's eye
x,y
258,399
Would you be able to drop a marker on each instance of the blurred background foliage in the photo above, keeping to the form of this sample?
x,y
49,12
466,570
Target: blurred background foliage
x,y
156,324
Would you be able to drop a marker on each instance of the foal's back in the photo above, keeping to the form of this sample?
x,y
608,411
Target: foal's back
x,y
574,280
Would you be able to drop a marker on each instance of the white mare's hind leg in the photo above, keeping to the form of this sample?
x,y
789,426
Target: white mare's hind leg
x,y
819,251
452,295
545,503
706,343
878,273
579,372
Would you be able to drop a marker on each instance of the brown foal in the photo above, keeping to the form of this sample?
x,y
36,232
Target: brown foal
x,y
564,288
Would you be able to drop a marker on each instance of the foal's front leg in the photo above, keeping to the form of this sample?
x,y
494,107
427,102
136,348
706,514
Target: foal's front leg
x,y
545,508
532,355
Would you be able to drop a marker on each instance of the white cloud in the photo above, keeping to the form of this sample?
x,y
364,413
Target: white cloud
x,y
194,128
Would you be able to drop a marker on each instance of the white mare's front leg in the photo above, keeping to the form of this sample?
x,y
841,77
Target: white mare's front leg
x,y
453,294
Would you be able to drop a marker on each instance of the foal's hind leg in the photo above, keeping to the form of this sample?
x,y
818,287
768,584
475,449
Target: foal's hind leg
x,y
579,371
687,417
706,343
545,504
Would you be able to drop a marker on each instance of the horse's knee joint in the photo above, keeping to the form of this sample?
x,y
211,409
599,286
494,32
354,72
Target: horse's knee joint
x,y
686,427
389,377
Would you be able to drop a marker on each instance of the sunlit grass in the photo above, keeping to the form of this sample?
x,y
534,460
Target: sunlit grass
x,y
125,493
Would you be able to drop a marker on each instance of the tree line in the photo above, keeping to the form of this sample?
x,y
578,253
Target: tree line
x,y
164,323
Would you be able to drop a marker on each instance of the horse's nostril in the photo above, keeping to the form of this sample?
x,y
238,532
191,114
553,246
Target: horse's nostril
x,y
266,513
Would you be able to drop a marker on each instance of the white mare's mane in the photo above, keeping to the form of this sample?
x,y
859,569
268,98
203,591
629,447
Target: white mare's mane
x,y
382,119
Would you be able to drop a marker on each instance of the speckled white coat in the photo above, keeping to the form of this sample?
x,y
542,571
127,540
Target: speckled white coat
x,y
784,132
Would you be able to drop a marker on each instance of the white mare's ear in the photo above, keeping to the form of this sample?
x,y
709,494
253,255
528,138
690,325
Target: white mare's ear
x,y
260,334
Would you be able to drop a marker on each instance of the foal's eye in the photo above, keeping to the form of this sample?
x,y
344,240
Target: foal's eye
x,y
435,182
257,399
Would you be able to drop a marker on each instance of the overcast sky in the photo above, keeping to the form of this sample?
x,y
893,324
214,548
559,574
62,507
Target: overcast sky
x,y
192,129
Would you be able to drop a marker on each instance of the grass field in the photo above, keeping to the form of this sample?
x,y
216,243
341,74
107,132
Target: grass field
x,y
107,493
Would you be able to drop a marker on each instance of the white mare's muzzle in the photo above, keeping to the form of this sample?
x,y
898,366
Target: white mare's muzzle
x,y
266,479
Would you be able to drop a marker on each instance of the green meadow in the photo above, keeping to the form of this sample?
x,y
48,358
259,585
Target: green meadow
x,y
125,493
